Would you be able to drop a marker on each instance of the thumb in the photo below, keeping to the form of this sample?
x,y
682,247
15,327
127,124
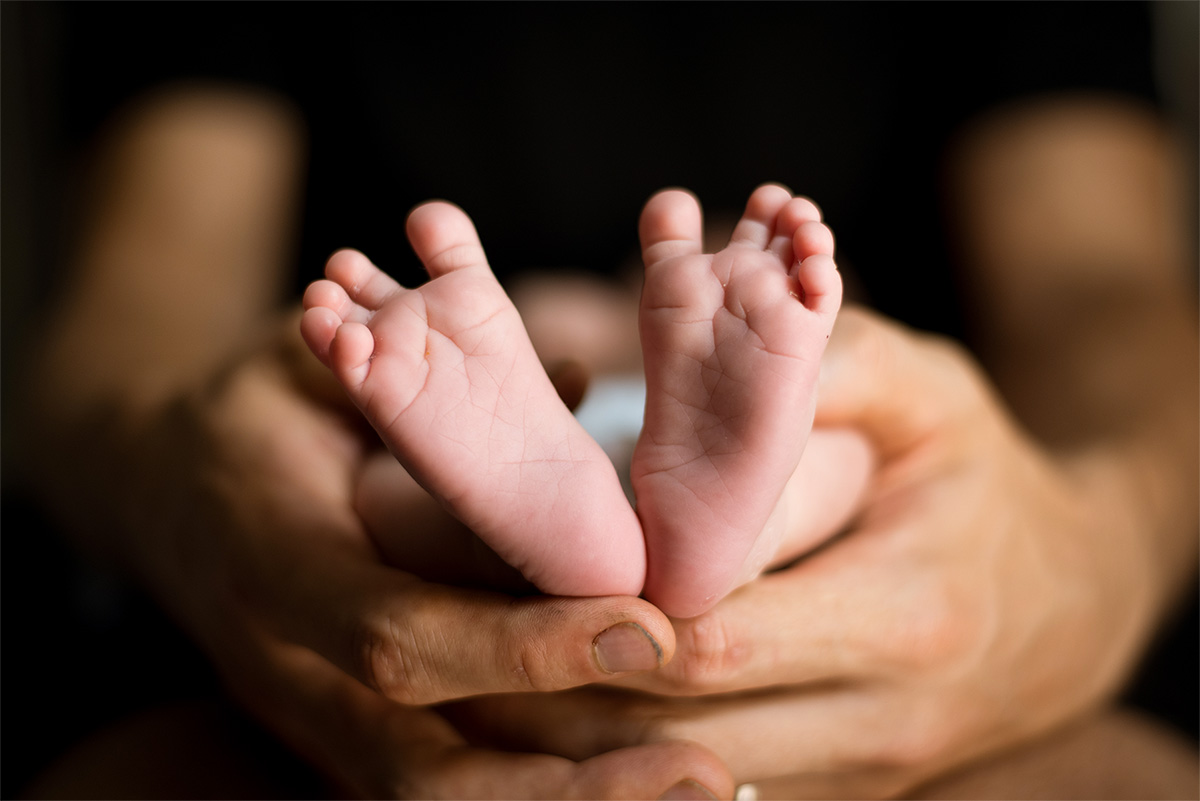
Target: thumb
x,y
896,385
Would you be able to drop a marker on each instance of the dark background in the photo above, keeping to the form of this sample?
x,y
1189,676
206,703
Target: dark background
x,y
550,124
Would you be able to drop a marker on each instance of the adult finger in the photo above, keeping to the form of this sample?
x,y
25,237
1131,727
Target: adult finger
x,y
896,385
376,748
420,643
781,733
676,770
901,614
796,626
310,574
824,492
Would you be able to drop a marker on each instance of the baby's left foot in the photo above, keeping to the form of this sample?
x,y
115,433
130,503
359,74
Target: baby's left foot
x,y
732,344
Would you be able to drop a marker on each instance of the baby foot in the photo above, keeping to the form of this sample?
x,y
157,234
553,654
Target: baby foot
x,y
447,376
732,344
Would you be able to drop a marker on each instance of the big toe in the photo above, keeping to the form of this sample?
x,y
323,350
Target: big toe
x,y
671,225
444,238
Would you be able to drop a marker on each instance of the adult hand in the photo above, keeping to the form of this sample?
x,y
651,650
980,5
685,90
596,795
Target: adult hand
x,y
245,492
220,474
989,591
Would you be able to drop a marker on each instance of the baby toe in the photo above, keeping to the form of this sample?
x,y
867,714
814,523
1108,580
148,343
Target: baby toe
x,y
350,354
821,284
812,238
328,295
757,225
318,327
363,282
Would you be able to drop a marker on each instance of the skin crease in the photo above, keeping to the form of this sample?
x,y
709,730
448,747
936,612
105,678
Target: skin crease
x,y
710,483
939,647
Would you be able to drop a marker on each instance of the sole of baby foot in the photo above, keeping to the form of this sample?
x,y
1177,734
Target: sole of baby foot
x,y
732,344
446,374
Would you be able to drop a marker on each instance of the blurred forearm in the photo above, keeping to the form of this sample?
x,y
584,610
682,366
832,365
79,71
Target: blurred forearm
x,y
191,204
178,265
1084,308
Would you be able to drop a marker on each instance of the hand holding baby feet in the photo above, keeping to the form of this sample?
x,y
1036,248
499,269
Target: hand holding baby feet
x,y
447,376
732,344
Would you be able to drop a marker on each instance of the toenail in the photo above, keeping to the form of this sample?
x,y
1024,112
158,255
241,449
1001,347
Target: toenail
x,y
626,647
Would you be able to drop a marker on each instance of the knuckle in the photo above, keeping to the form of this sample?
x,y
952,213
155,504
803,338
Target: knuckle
x,y
526,652
535,670
372,656
385,661
708,655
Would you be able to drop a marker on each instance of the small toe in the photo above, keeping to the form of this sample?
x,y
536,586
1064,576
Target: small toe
x,y
796,212
757,225
329,295
804,208
318,326
350,354
822,285
812,238
364,283
671,225
444,238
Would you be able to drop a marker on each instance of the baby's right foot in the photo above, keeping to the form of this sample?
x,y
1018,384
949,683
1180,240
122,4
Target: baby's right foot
x,y
447,376
732,344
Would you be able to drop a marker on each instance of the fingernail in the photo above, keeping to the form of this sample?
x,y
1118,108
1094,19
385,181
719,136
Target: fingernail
x,y
688,790
625,647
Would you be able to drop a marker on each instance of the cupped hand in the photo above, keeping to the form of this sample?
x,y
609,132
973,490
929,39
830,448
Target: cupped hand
x,y
986,593
252,543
